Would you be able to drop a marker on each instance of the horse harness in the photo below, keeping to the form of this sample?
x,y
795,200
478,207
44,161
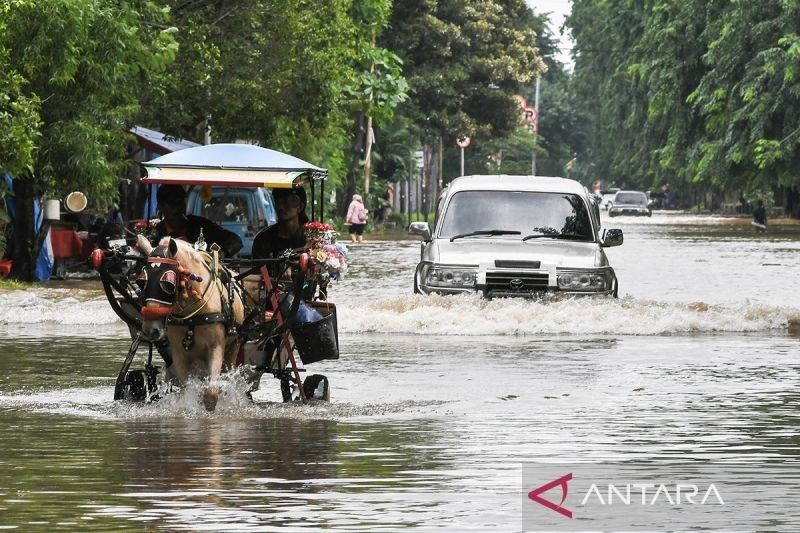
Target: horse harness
x,y
171,274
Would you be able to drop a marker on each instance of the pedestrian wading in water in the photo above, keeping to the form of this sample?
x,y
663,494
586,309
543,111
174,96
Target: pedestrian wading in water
x,y
357,219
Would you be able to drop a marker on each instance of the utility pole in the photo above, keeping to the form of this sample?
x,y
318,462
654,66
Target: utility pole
x,y
408,184
535,126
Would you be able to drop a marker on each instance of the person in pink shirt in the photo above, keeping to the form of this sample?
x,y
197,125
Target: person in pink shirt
x,y
357,219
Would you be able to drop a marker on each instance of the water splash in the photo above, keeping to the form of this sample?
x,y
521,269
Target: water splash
x,y
471,315
457,315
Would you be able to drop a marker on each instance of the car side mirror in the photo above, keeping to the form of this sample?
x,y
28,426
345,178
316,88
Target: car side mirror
x,y
420,228
612,237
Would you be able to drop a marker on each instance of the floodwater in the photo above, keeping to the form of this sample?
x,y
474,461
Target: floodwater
x,y
436,402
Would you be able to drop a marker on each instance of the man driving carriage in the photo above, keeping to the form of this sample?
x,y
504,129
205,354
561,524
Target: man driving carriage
x,y
177,224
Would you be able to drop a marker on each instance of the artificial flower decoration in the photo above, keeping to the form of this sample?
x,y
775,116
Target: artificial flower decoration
x,y
328,257
148,228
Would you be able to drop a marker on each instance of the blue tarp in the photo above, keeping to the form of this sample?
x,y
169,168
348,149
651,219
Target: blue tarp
x,y
44,263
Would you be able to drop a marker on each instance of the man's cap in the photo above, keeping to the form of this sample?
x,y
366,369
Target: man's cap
x,y
170,194
298,192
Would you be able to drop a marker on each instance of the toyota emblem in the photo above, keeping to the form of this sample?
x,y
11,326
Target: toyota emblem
x,y
516,284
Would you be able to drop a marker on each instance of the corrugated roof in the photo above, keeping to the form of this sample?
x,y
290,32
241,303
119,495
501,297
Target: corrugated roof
x,y
160,143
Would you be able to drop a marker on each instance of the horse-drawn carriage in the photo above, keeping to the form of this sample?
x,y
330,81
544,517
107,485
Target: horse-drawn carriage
x,y
202,312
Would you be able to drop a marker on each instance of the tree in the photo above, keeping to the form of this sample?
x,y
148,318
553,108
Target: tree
x,y
376,89
700,93
749,97
268,71
19,128
87,64
464,63
562,128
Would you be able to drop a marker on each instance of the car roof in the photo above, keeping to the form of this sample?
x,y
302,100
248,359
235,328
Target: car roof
x,y
503,182
630,192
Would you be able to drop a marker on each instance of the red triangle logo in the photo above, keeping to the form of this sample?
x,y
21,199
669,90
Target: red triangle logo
x,y
535,495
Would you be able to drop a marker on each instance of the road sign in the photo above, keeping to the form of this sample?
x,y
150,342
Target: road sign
x,y
463,142
530,114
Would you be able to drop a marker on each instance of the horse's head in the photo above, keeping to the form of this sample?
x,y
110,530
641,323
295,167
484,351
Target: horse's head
x,y
160,282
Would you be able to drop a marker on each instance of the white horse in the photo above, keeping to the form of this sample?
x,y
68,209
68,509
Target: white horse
x,y
186,300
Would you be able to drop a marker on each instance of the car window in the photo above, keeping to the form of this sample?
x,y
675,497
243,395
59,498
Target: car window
x,y
525,212
227,206
631,198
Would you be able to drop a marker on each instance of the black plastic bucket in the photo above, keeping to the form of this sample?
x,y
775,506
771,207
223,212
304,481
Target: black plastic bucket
x,y
318,340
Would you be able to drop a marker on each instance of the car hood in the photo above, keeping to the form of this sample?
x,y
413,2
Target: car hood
x,y
481,250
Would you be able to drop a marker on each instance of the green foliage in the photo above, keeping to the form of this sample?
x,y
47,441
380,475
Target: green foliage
x,y
19,113
392,151
461,81
81,67
378,85
690,92
16,285
268,71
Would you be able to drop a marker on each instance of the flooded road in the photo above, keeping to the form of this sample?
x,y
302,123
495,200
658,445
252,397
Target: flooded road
x,y
436,402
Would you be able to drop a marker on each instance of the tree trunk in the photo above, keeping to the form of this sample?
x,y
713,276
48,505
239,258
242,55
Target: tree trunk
x,y
431,175
23,229
792,202
357,151
368,137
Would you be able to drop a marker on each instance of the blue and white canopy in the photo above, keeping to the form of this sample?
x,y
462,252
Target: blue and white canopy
x,y
243,165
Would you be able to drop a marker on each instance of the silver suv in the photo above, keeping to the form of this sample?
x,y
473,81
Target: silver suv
x,y
515,236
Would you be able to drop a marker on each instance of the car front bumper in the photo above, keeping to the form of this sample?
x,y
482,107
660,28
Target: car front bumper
x,y
532,284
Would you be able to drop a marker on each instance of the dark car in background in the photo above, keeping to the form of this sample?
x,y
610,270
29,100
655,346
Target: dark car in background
x,y
244,211
630,203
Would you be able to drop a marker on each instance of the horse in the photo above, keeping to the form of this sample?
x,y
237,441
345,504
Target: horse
x,y
186,300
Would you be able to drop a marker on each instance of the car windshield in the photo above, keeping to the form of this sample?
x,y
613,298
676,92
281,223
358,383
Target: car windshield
x,y
637,198
517,214
228,206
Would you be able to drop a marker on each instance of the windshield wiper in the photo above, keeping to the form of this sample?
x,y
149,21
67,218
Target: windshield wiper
x,y
486,232
566,236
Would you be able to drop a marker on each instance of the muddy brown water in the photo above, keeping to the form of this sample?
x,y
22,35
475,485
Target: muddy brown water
x,y
436,402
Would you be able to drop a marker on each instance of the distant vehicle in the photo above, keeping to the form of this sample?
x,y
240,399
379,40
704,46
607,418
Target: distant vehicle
x,y
242,210
515,236
633,203
607,200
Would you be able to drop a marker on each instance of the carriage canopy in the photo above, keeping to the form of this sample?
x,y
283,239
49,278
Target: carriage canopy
x,y
242,165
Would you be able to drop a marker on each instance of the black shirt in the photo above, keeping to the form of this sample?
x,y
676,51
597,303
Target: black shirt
x,y
228,241
268,244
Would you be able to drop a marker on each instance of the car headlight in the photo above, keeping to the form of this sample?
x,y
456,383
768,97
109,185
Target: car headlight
x,y
589,281
450,276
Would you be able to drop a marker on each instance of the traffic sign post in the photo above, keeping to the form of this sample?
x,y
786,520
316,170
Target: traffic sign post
x,y
462,142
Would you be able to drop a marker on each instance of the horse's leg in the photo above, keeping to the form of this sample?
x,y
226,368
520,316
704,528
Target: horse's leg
x,y
180,361
231,353
216,355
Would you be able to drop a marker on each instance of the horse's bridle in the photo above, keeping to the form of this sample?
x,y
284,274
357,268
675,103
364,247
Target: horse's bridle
x,y
172,277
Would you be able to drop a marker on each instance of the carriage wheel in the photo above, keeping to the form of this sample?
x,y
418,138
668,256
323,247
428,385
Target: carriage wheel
x,y
316,387
286,390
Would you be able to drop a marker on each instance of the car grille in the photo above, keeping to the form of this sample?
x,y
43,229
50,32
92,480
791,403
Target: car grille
x,y
516,282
